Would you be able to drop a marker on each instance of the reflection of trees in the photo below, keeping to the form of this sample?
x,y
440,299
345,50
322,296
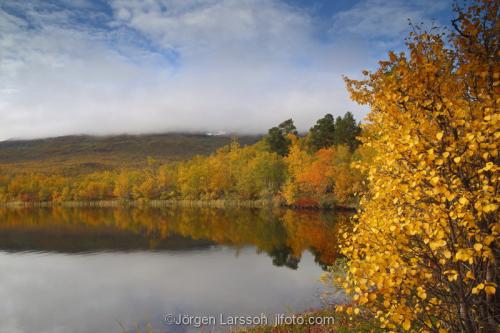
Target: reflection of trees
x,y
316,231
284,257
283,234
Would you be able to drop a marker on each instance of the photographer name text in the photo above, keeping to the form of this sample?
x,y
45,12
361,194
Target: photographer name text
x,y
241,320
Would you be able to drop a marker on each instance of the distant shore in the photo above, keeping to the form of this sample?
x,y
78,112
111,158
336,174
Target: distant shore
x,y
261,203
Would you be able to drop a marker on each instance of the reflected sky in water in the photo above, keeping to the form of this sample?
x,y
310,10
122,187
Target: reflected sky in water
x,y
81,277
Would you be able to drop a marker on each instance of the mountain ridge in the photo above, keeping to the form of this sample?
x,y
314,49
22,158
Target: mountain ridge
x,y
89,153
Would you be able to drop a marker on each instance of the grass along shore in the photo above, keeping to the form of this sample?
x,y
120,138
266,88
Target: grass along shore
x,y
220,203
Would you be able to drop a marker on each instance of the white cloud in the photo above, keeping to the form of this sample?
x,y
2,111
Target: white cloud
x,y
386,22
233,65
231,27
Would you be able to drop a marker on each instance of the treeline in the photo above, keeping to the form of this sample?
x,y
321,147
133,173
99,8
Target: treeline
x,y
284,167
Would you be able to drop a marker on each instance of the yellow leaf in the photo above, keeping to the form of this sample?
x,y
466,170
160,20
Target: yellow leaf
x,y
490,208
439,136
490,290
488,166
406,325
421,293
452,275
437,244
450,196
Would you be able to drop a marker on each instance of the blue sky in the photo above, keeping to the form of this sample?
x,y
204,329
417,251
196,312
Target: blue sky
x,y
125,66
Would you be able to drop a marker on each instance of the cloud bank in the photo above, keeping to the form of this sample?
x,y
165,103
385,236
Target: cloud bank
x,y
71,67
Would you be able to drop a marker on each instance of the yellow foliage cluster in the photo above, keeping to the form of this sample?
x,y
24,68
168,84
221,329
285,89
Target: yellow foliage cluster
x,y
250,172
325,176
232,172
424,254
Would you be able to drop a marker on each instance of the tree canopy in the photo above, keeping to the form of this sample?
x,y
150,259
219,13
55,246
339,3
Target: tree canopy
x,y
322,135
339,131
424,253
277,137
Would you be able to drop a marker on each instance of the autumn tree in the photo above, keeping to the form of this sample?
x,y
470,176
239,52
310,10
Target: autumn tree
x,y
424,254
324,178
146,188
167,181
194,178
347,181
262,176
298,161
95,186
123,186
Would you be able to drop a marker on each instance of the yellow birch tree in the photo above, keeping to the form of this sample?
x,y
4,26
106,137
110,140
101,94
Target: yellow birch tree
x,y
424,254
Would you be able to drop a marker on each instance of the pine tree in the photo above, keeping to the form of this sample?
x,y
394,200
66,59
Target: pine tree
x,y
277,139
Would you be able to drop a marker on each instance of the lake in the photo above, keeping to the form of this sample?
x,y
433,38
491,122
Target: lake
x,y
91,270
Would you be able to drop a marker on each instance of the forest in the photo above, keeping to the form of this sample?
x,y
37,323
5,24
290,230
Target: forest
x,y
285,167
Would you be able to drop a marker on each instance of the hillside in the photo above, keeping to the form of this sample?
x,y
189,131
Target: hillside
x,y
82,154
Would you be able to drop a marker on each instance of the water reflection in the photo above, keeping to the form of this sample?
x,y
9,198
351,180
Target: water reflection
x,y
282,234
86,270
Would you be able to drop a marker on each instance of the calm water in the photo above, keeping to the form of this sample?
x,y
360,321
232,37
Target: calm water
x,y
110,270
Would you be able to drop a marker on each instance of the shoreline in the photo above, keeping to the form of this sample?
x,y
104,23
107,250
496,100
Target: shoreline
x,y
262,203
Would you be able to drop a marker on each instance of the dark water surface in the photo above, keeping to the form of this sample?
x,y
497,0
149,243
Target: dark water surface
x,y
91,270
